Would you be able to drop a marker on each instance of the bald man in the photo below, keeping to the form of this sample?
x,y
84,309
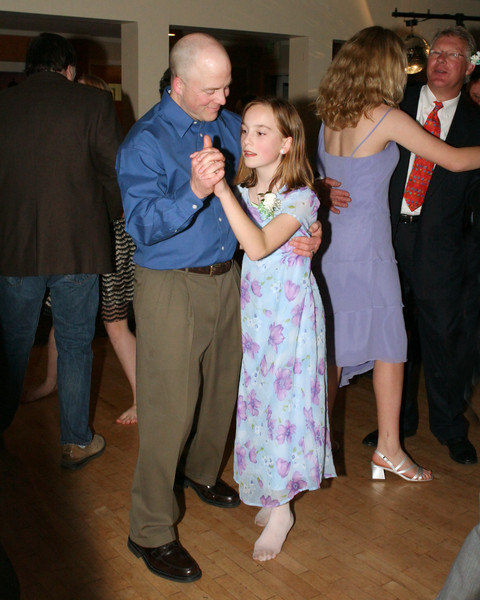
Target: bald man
x,y
187,301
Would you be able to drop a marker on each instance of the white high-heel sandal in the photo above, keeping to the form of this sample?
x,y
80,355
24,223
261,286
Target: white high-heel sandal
x,y
378,472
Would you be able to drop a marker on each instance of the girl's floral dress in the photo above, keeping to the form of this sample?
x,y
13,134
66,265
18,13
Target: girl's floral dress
x,y
282,443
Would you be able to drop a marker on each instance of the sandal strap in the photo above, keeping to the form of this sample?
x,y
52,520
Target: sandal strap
x,y
398,468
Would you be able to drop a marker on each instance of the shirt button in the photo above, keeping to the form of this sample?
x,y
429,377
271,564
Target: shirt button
x,y
201,135
220,219
223,248
194,206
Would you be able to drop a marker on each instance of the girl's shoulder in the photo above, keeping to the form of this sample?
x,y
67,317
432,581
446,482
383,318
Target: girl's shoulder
x,y
301,200
300,193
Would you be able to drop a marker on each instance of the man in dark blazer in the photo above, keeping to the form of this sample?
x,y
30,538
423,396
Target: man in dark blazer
x,y
58,192
431,249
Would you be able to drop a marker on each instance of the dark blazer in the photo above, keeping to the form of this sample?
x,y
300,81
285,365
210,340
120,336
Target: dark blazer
x,y
58,143
439,244
438,269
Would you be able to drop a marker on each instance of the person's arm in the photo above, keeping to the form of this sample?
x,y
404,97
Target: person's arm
x,y
331,196
334,199
256,242
303,245
307,246
105,140
404,130
157,193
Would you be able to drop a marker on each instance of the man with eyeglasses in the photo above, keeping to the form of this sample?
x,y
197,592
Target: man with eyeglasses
x,y
437,257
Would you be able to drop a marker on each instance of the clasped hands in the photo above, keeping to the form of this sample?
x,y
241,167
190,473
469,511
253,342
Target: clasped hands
x,y
207,169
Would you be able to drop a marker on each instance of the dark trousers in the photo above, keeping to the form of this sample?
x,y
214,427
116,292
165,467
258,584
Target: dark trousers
x,y
434,325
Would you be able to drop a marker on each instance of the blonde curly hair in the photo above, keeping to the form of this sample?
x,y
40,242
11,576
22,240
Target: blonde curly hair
x,y
368,70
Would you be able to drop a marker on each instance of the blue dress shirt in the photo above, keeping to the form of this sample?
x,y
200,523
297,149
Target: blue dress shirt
x,y
171,227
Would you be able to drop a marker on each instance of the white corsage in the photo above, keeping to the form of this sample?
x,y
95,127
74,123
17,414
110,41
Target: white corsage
x,y
475,58
269,203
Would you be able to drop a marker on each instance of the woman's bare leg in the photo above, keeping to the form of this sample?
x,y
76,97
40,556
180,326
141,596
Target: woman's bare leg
x,y
124,344
49,384
387,385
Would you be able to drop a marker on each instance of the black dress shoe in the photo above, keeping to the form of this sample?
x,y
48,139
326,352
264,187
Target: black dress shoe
x,y
170,561
220,494
372,438
461,450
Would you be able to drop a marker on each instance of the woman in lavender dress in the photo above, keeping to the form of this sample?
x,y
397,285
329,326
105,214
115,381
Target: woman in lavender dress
x,y
358,103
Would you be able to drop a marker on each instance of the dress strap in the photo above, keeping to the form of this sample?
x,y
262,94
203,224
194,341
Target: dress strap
x,y
370,133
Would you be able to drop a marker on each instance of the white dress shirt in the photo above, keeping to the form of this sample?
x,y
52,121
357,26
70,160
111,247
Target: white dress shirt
x,y
426,104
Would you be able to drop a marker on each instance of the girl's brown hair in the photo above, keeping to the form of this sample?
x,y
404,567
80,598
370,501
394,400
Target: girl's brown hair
x,y
294,170
368,70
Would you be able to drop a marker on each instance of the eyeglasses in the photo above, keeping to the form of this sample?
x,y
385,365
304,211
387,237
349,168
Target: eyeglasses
x,y
453,56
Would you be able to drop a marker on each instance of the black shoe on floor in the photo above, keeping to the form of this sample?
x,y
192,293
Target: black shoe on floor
x,y
170,561
372,438
461,450
220,494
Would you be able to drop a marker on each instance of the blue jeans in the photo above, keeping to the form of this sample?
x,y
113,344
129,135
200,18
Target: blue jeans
x,y
74,310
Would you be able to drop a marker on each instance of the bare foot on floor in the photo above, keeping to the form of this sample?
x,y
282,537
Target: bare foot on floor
x,y
270,543
44,389
261,518
129,417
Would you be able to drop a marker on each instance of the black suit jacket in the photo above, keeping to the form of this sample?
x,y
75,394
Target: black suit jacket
x,y
440,241
58,143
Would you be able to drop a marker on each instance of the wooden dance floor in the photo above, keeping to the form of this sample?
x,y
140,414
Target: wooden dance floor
x,y
355,539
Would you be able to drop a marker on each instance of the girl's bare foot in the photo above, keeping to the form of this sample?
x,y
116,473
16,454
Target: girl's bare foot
x,y
129,417
261,518
276,530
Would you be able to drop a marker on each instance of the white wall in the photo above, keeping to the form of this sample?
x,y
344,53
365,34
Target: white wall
x,y
312,23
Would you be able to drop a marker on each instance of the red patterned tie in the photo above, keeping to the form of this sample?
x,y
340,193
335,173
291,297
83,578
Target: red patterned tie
x,y
422,169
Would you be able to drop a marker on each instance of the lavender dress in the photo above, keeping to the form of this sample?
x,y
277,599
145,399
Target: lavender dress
x,y
282,443
358,275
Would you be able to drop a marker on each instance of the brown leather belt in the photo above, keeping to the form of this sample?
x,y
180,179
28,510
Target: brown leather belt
x,y
217,269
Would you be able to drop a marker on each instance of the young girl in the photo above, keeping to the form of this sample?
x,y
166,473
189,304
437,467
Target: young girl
x,y
358,103
282,444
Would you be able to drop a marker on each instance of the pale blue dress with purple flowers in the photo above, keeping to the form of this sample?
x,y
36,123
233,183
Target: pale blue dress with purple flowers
x,y
282,443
